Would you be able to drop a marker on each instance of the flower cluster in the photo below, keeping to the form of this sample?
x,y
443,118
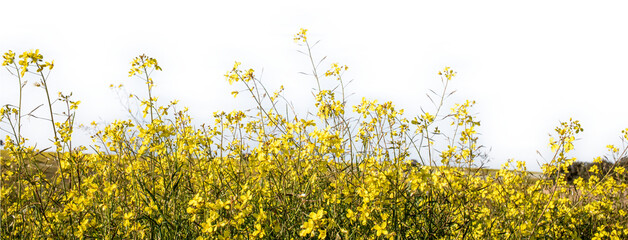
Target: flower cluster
x,y
301,36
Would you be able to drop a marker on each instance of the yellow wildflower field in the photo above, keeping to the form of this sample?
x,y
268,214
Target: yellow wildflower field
x,y
343,172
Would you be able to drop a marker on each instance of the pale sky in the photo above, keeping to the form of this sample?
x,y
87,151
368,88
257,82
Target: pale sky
x,y
528,65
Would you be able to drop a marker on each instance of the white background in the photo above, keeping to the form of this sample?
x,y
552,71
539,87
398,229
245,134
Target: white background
x,y
528,65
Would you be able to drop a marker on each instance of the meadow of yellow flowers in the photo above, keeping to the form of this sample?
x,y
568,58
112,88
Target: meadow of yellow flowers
x,y
341,173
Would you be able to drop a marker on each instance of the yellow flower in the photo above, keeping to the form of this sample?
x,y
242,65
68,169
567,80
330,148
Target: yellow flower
x,y
127,217
380,229
9,57
307,227
322,233
143,63
612,148
301,35
351,215
259,232
335,70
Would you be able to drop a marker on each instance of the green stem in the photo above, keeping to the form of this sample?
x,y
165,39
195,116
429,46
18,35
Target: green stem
x,y
149,84
309,51
54,128
19,109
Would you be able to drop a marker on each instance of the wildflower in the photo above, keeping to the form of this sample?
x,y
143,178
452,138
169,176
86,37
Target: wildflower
x,y
9,57
380,229
127,218
301,35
